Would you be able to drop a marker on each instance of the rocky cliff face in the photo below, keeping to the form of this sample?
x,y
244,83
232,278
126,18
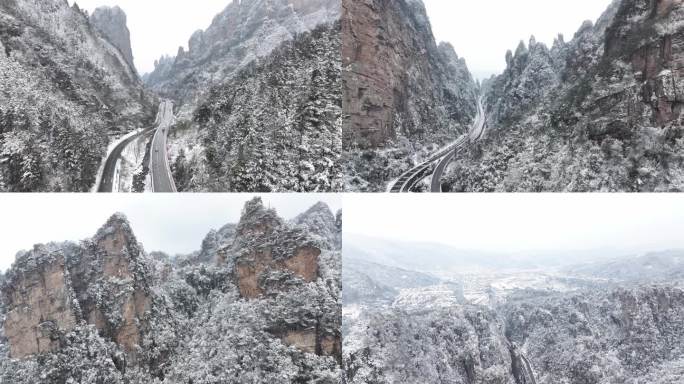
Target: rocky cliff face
x,y
270,257
266,250
622,335
400,88
601,112
320,220
111,22
54,287
39,305
266,308
244,31
64,89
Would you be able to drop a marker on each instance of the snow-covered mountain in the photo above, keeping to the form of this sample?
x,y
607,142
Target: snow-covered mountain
x,y
650,267
275,126
606,321
258,96
64,89
404,94
320,220
262,306
601,112
111,22
245,31
259,99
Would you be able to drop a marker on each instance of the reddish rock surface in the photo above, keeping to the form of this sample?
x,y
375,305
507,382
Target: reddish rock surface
x,y
396,79
38,304
48,296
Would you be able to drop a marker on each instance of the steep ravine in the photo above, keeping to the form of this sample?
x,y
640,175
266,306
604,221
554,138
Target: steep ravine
x,y
619,335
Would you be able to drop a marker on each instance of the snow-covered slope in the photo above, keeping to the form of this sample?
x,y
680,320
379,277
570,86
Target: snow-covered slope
x,y
64,89
601,112
105,311
275,126
244,31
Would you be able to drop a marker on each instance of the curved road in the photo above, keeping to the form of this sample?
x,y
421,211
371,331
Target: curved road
x,y
164,119
162,180
475,134
109,171
408,180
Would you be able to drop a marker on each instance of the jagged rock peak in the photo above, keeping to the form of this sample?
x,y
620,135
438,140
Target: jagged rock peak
x,y
266,250
118,222
111,22
243,32
320,220
215,240
317,209
62,285
258,220
521,50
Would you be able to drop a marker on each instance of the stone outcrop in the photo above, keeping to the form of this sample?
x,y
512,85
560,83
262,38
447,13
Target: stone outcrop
x,y
111,22
243,32
397,80
105,311
53,288
265,245
38,303
313,341
269,256
250,269
320,220
305,340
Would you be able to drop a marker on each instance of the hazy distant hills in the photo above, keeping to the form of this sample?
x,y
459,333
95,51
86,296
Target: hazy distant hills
x,y
655,266
426,256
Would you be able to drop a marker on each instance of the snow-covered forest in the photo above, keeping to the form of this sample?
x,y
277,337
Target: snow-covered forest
x,y
275,126
64,89
598,112
258,99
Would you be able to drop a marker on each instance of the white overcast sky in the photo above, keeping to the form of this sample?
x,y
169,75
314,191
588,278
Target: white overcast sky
x,y
483,30
173,223
159,27
513,223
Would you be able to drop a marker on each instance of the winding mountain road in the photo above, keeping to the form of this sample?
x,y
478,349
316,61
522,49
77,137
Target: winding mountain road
x,y
109,171
408,180
162,180
475,134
